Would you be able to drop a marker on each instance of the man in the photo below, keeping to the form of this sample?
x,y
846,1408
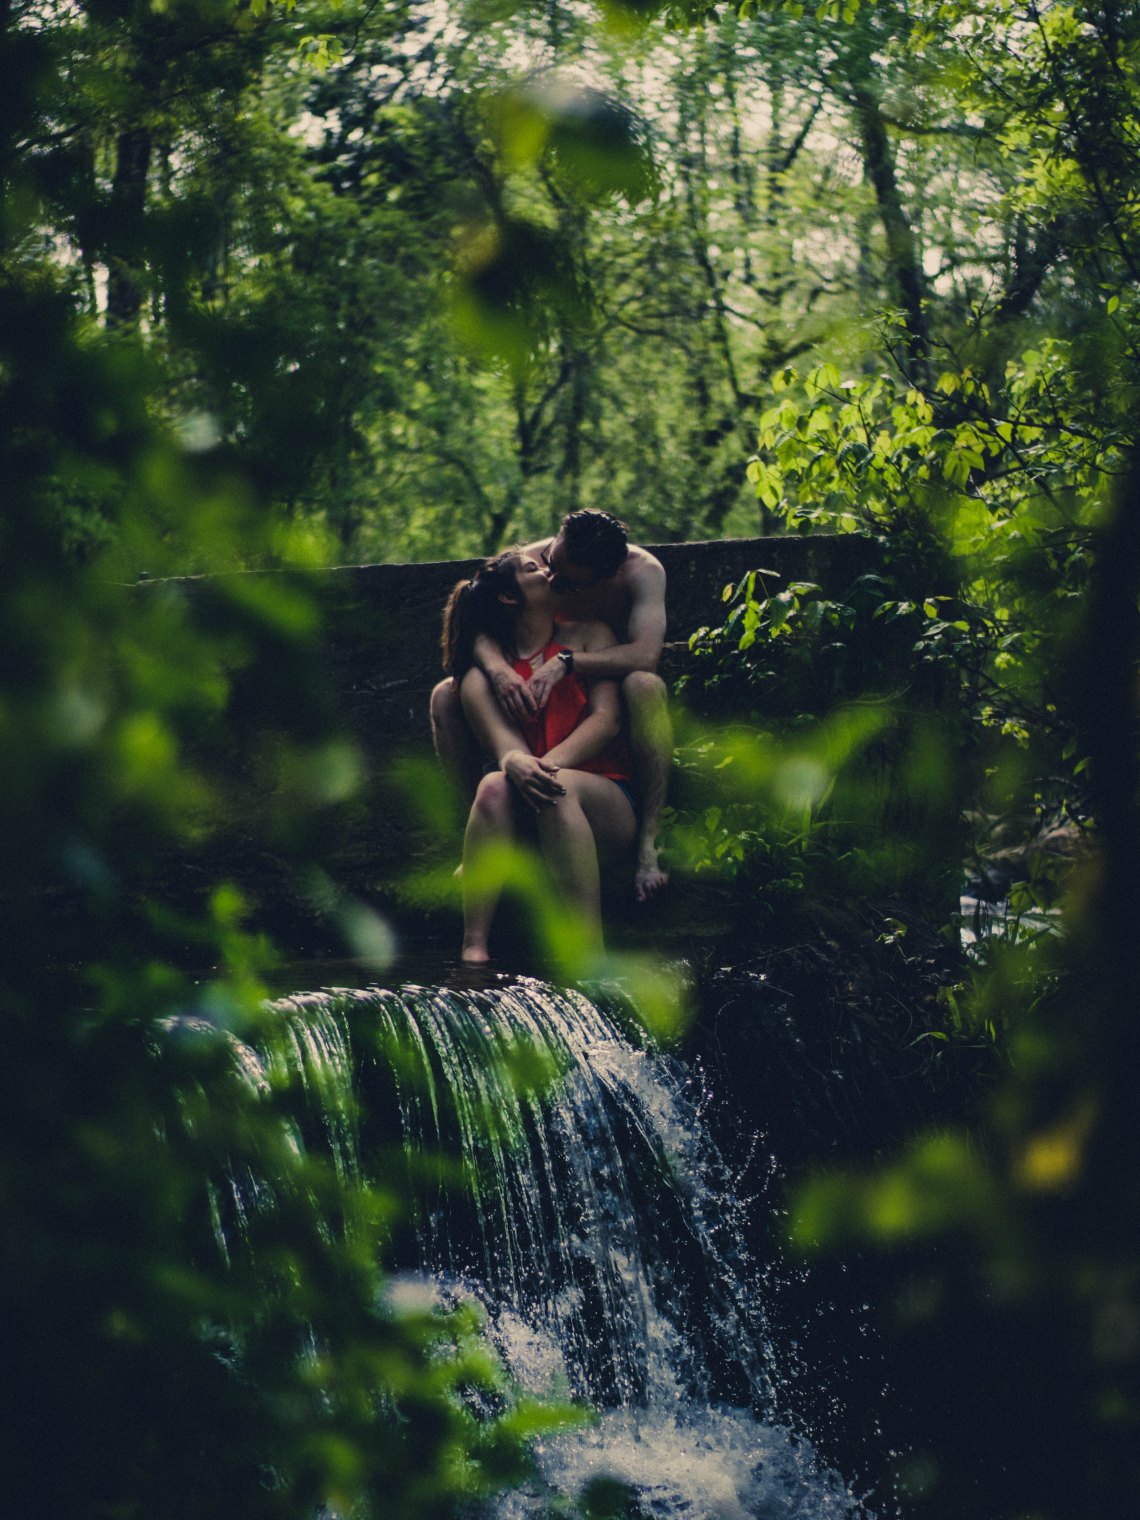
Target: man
x,y
604,578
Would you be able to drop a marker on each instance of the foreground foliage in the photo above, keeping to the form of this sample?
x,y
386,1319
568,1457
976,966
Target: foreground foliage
x,y
181,1368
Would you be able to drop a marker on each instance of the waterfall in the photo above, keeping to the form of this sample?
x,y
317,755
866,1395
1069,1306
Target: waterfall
x,y
564,1180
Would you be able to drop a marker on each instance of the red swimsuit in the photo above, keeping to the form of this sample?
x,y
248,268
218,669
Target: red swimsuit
x,y
565,708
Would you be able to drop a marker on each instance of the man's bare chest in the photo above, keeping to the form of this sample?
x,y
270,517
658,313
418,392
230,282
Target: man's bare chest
x,y
607,602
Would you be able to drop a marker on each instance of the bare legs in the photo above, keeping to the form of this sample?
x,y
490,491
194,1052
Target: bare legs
x,y
469,727
455,744
491,821
463,730
592,814
651,738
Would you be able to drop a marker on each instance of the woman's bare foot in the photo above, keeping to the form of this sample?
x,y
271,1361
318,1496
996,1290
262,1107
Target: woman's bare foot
x,y
476,953
650,876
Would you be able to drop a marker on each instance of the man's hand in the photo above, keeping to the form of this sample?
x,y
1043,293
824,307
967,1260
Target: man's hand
x,y
535,780
513,694
544,680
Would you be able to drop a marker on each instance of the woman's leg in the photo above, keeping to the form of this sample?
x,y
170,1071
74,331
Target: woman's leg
x,y
491,819
455,744
594,814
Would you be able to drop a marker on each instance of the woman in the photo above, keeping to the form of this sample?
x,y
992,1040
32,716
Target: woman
x,y
566,769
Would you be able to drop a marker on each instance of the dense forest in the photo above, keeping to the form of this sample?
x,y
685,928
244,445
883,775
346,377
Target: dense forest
x,y
295,285
432,275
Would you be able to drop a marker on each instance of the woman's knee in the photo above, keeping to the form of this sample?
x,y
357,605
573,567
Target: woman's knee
x,y
575,784
473,684
493,795
567,813
444,702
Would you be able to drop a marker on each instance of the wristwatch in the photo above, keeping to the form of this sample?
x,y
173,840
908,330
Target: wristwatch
x,y
567,658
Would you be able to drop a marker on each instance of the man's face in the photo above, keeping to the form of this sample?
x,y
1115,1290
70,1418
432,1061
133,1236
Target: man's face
x,y
562,572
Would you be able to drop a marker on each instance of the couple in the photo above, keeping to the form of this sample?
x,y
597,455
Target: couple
x,y
544,647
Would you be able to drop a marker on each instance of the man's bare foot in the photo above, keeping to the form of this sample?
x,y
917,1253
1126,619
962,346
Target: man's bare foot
x,y
475,954
650,876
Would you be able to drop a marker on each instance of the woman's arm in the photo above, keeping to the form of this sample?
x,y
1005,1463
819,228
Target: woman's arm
x,y
599,727
494,731
534,778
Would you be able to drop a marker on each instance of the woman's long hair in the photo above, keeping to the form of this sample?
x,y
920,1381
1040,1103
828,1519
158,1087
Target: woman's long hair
x,y
474,608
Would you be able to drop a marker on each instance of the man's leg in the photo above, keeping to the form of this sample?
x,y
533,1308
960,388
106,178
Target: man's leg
x,y
651,738
455,744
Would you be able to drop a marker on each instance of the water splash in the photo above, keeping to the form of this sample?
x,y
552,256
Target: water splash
x,y
589,1213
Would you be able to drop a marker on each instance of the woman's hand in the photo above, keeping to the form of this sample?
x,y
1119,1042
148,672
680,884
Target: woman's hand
x,y
544,680
535,780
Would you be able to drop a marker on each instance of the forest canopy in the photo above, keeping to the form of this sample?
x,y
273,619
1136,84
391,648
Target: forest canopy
x,y
430,275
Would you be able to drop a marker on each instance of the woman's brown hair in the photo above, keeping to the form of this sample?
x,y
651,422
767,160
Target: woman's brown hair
x,y
474,607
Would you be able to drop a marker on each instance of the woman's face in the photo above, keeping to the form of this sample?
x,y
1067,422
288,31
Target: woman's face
x,y
533,580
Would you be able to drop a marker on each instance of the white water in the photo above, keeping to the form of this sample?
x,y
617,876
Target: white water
x,y
597,1226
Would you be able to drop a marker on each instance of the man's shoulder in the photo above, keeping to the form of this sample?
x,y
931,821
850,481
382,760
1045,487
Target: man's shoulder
x,y
642,570
639,558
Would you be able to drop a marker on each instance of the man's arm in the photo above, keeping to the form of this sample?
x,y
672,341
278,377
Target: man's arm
x,y
641,651
512,692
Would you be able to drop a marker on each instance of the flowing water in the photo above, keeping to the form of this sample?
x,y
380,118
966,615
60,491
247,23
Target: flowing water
x,y
589,1213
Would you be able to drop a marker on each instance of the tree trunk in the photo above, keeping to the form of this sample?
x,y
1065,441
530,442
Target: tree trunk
x,y
125,263
903,259
572,443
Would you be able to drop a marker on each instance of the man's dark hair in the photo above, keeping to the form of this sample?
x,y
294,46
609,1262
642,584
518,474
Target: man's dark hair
x,y
595,540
